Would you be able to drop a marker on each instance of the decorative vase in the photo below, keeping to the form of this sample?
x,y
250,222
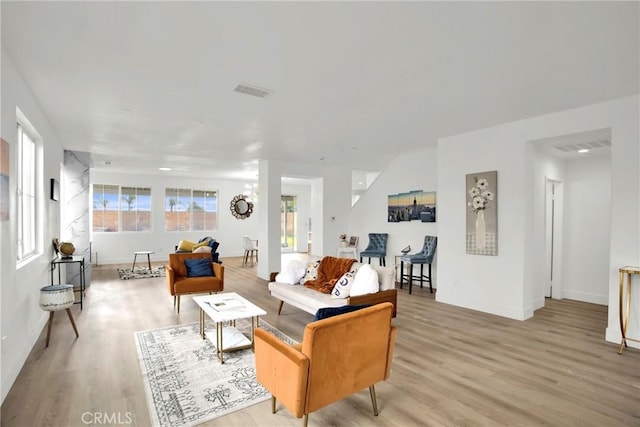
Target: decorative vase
x,y
481,230
343,243
66,249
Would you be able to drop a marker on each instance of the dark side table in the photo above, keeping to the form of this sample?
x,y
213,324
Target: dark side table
x,y
79,259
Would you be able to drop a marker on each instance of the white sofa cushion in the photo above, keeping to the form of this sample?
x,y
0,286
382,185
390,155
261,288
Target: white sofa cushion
x,y
365,282
305,299
386,277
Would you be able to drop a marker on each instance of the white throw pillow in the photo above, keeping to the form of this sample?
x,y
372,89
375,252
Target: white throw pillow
x,y
202,249
292,272
365,282
342,289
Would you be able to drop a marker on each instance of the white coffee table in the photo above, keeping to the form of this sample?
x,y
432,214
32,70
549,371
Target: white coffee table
x,y
228,307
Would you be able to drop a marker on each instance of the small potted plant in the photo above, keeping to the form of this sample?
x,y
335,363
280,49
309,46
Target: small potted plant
x,y
343,240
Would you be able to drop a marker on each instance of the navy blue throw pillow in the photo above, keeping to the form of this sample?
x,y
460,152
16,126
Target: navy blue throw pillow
x,y
198,267
325,312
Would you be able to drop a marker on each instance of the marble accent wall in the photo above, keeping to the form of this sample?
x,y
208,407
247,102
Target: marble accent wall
x,y
75,211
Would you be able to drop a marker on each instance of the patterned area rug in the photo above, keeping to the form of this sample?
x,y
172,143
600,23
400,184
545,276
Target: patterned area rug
x,y
184,381
141,272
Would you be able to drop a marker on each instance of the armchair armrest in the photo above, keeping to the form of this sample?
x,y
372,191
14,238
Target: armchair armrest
x,y
218,271
170,273
282,369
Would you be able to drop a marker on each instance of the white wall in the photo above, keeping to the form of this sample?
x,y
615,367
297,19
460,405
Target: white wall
x,y
493,284
415,170
587,227
22,319
119,247
504,284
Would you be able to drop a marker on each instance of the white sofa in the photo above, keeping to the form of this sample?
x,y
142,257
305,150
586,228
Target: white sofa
x,y
311,300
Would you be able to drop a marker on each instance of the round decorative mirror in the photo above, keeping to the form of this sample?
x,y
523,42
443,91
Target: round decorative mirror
x,y
240,207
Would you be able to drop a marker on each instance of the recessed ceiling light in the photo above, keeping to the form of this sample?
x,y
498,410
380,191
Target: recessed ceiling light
x,y
164,168
584,150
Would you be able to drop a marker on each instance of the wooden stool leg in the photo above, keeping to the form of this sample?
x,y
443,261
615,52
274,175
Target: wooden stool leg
x,y
50,323
73,323
149,262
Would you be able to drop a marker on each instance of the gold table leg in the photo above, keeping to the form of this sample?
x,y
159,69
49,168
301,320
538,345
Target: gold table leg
x,y
624,308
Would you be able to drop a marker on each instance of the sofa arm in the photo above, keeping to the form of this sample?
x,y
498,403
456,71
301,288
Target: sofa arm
x,y
282,369
390,295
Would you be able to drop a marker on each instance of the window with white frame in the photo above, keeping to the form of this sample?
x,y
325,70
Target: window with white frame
x,y
190,210
118,208
26,193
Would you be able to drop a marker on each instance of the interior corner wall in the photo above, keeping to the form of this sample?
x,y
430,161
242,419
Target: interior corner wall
x,y
587,229
270,187
22,320
413,170
503,284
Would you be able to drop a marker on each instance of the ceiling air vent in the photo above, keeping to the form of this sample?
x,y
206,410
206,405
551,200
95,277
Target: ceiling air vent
x,y
589,145
253,90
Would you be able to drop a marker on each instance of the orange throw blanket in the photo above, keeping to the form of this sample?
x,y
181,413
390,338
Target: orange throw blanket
x,y
329,271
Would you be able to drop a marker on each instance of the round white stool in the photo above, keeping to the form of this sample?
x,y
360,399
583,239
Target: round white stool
x,y
55,298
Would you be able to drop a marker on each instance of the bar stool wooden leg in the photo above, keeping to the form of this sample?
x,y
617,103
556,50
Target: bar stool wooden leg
x,y
73,323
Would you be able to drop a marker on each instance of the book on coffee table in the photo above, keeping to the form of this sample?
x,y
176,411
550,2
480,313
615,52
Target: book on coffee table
x,y
227,304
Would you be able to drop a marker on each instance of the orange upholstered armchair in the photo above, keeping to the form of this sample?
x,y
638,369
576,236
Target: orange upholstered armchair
x,y
181,283
338,356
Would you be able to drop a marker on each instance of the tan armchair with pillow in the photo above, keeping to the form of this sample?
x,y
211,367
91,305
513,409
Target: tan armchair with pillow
x,y
338,356
180,282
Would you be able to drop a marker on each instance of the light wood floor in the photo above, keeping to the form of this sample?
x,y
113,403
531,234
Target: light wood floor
x,y
451,366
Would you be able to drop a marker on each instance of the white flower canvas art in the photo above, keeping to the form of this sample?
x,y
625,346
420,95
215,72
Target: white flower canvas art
x,y
482,213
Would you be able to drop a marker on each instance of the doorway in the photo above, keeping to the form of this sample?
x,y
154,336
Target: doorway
x,y
553,238
288,223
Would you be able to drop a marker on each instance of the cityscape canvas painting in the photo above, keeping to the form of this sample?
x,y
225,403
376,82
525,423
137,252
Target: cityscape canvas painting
x,y
482,213
415,205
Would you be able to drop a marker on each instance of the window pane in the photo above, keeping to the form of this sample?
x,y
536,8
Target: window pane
x,y
136,209
210,203
26,189
105,208
176,209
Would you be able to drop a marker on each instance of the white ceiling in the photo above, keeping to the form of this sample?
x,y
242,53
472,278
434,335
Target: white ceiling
x,y
150,84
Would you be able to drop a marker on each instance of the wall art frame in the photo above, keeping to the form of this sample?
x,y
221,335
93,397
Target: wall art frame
x,y
482,213
417,205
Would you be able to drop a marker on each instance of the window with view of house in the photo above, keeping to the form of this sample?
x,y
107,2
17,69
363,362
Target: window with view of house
x,y
190,210
26,190
118,208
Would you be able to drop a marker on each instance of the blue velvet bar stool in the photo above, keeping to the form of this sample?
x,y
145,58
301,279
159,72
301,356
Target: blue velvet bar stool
x,y
377,248
425,256
57,298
